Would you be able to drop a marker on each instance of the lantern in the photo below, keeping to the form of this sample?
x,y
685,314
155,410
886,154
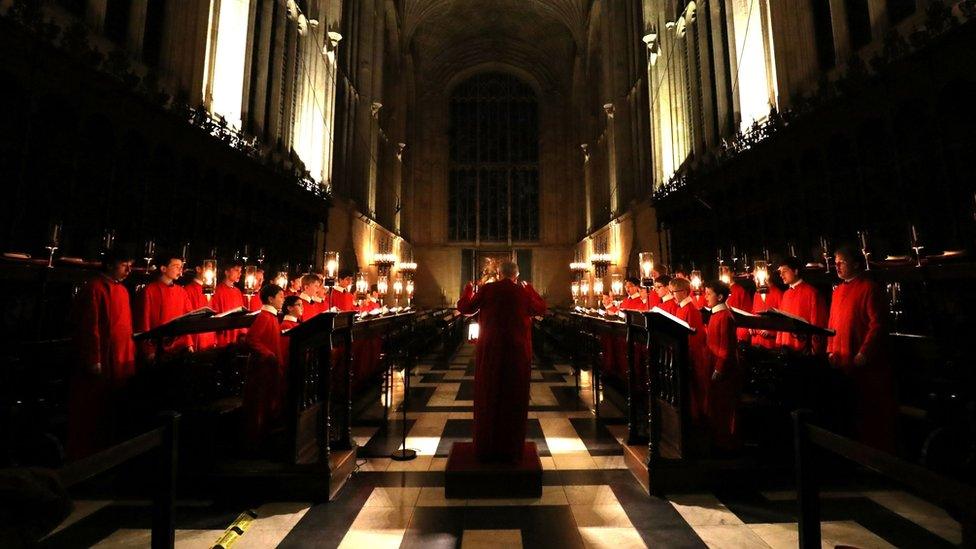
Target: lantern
x,y
250,280
696,282
760,273
209,273
725,274
584,289
617,286
473,330
598,286
575,289
331,268
383,285
647,269
409,291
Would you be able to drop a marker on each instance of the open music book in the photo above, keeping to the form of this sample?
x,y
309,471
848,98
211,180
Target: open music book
x,y
233,312
202,312
671,317
774,311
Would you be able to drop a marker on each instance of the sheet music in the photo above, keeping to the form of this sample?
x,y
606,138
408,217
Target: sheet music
x,y
774,311
232,312
671,317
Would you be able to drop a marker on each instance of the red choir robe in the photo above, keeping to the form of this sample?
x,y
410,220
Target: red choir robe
x,y
225,298
653,300
803,300
502,365
740,299
699,300
668,304
159,303
342,299
724,392
858,314
701,375
194,291
254,302
262,388
103,324
287,323
618,358
773,298
311,306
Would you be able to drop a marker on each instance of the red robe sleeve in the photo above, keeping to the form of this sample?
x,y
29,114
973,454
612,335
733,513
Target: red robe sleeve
x,y
721,341
470,301
537,305
88,335
876,315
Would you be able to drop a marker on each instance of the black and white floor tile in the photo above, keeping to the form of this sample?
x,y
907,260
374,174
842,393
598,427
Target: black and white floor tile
x,y
589,498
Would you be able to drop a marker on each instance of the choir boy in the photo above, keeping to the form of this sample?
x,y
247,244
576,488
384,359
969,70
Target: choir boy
x,y
342,297
665,298
262,389
227,296
106,357
312,304
726,378
686,310
802,300
198,300
159,302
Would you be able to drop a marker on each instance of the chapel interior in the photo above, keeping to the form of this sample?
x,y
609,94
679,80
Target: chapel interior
x,y
752,224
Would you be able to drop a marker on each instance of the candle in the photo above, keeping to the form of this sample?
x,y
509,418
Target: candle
x,y
863,237
914,236
55,235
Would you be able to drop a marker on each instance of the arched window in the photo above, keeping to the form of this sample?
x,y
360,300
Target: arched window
x,y
494,179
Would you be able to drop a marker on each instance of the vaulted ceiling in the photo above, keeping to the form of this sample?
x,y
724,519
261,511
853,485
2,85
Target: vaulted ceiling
x,y
539,37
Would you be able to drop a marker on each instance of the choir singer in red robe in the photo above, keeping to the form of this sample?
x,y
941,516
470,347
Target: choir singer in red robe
x,y
341,296
726,377
106,356
262,390
228,297
503,361
198,300
858,314
687,311
161,301
802,300
665,299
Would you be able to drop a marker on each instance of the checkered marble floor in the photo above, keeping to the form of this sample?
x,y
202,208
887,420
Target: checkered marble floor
x,y
589,498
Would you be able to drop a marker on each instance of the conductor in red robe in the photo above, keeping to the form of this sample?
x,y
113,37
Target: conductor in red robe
x,y
803,300
503,362
726,377
161,301
263,388
198,300
858,315
227,297
106,357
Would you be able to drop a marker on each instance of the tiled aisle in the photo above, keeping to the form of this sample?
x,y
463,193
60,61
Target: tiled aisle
x,y
589,498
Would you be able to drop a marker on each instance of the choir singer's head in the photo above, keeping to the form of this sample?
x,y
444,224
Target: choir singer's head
x,y
232,273
170,266
716,292
273,295
848,261
789,270
117,264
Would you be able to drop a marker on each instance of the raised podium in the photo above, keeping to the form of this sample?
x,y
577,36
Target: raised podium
x,y
468,478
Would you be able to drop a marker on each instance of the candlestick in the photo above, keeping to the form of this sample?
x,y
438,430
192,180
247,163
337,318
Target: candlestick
x,y
917,247
863,237
54,241
825,251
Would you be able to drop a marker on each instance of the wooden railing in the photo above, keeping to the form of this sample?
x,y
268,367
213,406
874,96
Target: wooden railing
x,y
163,441
954,496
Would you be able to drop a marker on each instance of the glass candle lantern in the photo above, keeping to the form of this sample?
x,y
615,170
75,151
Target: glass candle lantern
x,y
250,280
617,286
725,274
209,273
331,267
647,269
696,282
383,285
760,273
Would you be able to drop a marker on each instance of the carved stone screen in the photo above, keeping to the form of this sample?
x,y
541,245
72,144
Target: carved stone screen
x,y
494,179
